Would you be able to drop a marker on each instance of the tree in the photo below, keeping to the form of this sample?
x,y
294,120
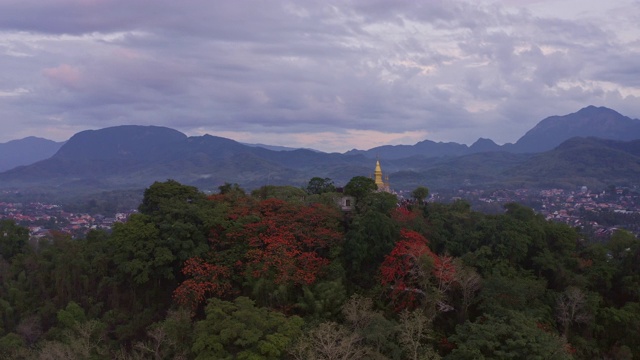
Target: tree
x,y
228,189
289,244
285,193
523,294
382,202
318,185
619,327
376,331
11,344
419,194
365,334
241,330
405,270
170,338
621,243
468,281
85,340
415,275
13,239
140,254
182,215
512,335
268,247
323,300
330,341
413,331
359,187
571,309
161,197
371,236
204,279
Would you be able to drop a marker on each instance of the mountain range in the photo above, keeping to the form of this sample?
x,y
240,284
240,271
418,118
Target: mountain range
x,y
559,151
590,121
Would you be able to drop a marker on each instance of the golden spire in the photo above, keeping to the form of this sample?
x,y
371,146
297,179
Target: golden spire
x,y
378,176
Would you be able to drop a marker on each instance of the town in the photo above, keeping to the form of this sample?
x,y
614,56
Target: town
x,y
41,218
596,213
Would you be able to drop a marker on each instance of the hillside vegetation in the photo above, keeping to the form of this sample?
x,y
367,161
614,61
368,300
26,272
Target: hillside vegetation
x,y
285,274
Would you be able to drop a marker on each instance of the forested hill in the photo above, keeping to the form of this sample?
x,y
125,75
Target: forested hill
x,y
134,157
127,157
284,274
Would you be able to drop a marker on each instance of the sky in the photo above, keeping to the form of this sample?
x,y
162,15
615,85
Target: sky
x,y
332,75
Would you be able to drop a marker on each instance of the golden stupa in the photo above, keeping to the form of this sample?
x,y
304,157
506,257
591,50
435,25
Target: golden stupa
x,y
383,183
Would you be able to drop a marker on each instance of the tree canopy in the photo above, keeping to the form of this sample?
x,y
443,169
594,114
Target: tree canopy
x,y
278,274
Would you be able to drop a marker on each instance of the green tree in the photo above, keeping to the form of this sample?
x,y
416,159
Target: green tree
x,y
70,316
318,185
162,197
13,239
182,215
624,254
239,330
139,252
525,294
420,194
286,193
231,189
371,236
173,225
359,187
512,335
621,243
323,300
619,327
382,202
12,344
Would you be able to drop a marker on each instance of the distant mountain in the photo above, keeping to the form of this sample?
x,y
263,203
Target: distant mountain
x,y
426,148
484,145
479,170
135,156
130,142
593,121
278,148
127,157
26,151
582,161
596,163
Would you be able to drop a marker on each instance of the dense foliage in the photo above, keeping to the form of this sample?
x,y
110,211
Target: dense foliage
x,y
283,273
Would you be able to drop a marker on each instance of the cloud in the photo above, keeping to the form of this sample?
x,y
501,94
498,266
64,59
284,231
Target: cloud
x,y
64,75
285,70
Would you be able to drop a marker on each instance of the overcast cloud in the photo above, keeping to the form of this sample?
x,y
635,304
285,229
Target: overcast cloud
x,y
330,75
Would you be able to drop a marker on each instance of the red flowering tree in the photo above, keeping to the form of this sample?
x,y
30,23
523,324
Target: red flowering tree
x,y
288,243
414,274
410,217
404,215
267,242
204,279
